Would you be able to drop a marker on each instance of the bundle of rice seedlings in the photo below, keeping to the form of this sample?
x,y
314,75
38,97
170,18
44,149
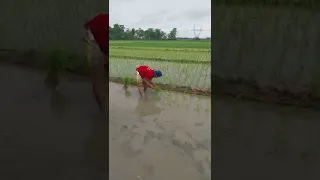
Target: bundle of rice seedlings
x,y
157,89
127,82
56,60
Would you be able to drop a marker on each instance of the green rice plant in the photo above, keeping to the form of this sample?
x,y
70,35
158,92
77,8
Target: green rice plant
x,y
203,44
193,56
127,81
174,74
158,89
57,60
165,49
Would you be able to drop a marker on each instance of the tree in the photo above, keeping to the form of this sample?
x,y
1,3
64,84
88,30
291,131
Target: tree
x,y
173,34
140,33
119,32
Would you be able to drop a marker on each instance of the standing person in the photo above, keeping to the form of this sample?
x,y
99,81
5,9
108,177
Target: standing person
x,y
98,27
147,74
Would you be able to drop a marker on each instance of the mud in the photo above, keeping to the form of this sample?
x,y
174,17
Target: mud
x,y
253,140
153,139
61,134
284,94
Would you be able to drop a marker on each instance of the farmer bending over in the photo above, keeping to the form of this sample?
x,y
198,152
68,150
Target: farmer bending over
x,y
98,27
146,74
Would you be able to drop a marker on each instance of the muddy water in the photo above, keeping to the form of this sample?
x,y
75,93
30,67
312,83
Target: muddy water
x,y
60,135
264,141
158,137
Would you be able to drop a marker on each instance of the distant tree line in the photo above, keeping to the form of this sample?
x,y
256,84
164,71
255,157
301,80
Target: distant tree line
x,y
119,32
296,3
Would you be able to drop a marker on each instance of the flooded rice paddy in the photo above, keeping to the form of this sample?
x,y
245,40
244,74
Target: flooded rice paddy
x,y
61,135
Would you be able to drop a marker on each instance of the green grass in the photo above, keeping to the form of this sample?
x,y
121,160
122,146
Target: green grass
x,y
166,55
203,44
166,49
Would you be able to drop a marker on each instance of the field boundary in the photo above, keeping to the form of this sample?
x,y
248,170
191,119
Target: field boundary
x,y
307,96
167,87
184,61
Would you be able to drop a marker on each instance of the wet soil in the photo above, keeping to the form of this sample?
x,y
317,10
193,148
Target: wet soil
x,y
60,134
45,134
285,94
264,141
154,138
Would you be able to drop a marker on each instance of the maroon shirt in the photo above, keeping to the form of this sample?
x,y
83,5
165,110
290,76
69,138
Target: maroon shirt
x,y
146,72
99,27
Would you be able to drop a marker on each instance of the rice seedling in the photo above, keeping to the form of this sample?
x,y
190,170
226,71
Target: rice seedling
x,y
57,62
193,56
185,75
127,81
158,89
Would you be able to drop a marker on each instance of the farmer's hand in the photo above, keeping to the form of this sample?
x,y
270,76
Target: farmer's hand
x,y
84,39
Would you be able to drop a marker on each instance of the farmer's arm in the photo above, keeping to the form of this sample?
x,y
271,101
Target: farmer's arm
x,y
148,82
88,24
152,83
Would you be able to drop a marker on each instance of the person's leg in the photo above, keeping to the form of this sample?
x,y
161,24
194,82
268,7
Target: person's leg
x,y
139,83
98,74
145,87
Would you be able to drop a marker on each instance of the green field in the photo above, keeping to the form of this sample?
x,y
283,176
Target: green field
x,y
183,63
203,44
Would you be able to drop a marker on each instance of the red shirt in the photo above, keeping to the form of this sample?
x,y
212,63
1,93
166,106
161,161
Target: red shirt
x,y
146,72
99,27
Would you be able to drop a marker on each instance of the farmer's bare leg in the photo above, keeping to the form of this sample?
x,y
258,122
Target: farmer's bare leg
x,y
145,87
98,75
140,86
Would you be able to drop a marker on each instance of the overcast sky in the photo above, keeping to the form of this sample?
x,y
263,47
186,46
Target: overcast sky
x,y
163,14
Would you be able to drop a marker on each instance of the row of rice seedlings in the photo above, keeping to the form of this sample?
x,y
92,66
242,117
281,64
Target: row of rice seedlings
x,y
57,63
188,75
163,44
170,55
181,61
161,49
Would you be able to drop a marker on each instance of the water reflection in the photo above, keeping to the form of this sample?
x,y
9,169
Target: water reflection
x,y
145,132
127,93
98,145
148,105
59,104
